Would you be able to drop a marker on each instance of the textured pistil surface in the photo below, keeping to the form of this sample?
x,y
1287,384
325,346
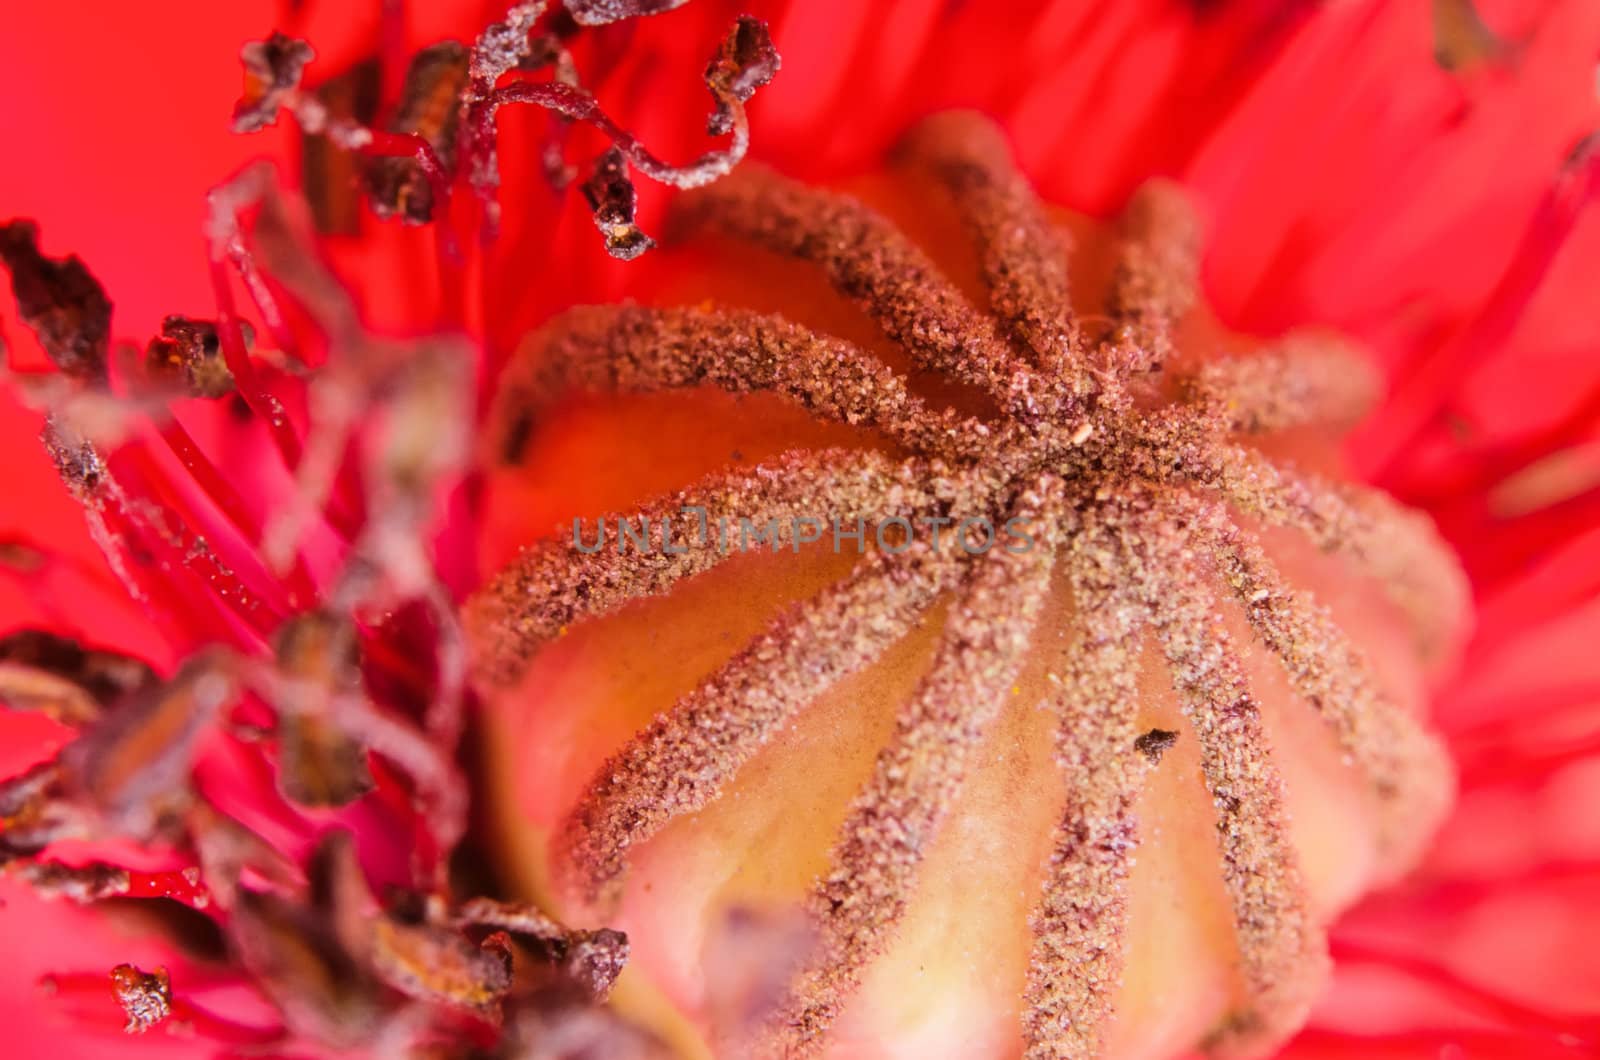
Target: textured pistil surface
x,y
1121,456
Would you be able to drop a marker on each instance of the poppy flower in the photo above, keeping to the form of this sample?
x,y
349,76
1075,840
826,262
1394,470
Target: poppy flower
x,y
235,566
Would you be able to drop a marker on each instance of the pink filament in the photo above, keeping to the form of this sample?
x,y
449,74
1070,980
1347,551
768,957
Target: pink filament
x,y
1419,401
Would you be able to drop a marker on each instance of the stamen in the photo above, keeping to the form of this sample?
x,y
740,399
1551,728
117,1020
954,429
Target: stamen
x,y
60,677
321,764
133,767
349,973
429,108
143,536
331,175
1417,405
96,881
604,12
745,61
593,959
209,478
860,900
320,988
22,798
225,244
438,965
272,72
61,301
185,356
615,203
145,997
93,882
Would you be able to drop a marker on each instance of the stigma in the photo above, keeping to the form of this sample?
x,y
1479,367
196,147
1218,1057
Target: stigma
x,y
1095,794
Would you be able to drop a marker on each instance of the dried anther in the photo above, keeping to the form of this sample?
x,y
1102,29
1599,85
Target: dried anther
x,y
594,959
93,882
22,557
434,963
145,997
603,12
76,459
1463,41
188,355
331,176
612,198
130,771
1155,743
23,803
416,395
310,953
745,62
503,45
322,764
1132,496
345,970
591,960
127,774
272,71
57,675
61,301
445,125
296,955
430,108
330,962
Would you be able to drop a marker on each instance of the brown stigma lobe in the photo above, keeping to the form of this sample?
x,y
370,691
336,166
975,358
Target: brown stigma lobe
x,y
614,201
145,997
58,676
61,301
187,354
1122,453
429,108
